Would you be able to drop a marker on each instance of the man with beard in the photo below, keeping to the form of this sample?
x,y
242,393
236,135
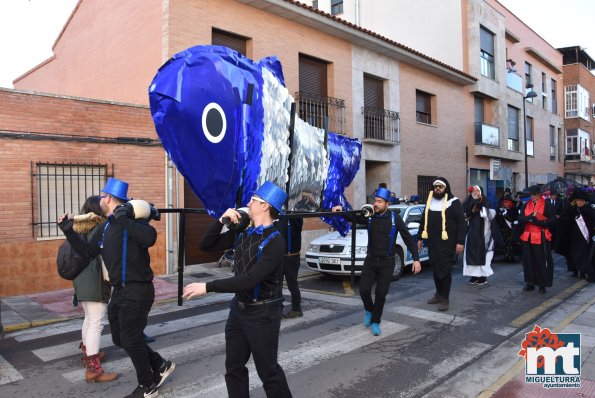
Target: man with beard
x,y
383,227
443,227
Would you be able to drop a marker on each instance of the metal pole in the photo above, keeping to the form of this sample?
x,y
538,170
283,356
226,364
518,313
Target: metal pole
x,y
181,239
525,131
353,236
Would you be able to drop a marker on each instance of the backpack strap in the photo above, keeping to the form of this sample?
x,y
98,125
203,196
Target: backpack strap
x,y
124,256
391,236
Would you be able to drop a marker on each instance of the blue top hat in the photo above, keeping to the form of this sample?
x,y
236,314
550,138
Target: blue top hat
x,y
382,193
116,188
273,195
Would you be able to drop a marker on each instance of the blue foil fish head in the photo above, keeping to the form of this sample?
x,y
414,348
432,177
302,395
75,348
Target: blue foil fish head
x,y
223,119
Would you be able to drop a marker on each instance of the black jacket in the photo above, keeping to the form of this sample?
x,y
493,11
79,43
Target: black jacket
x,y
291,230
141,236
257,277
379,234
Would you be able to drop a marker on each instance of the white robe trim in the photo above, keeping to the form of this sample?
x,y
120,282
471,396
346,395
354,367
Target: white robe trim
x,y
436,204
486,269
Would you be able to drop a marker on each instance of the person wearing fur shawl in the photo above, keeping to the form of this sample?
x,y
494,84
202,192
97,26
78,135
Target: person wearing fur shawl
x,y
93,292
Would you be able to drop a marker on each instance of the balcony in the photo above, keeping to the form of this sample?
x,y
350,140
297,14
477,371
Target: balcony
x,y
486,134
579,164
381,124
324,112
514,81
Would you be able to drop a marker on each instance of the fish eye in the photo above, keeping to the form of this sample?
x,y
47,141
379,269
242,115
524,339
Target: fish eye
x,y
214,123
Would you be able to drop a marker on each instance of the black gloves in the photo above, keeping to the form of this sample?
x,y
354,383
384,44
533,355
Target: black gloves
x,y
123,212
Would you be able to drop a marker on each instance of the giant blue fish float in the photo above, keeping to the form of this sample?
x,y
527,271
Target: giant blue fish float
x,y
225,122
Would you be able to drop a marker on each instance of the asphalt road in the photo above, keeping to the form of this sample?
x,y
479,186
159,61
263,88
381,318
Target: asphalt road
x,y
327,353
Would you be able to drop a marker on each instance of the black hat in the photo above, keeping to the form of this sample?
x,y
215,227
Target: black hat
x,y
507,190
534,189
579,193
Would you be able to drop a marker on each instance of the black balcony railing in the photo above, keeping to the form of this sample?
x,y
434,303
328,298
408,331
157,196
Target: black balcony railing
x,y
381,124
324,112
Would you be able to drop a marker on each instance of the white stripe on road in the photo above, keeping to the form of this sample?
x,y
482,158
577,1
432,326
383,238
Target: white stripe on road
x,y
430,315
213,342
8,374
74,325
329,298
71,348
304,356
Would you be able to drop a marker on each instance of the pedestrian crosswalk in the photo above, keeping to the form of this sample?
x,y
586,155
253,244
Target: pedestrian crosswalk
x,y
329,330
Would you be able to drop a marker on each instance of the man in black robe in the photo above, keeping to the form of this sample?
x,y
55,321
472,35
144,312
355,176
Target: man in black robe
x,y
444,229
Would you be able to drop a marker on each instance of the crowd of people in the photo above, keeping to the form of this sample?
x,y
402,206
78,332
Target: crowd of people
x,y
118,280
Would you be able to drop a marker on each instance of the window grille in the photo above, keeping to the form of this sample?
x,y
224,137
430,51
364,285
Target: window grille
x,y
58,188
424,186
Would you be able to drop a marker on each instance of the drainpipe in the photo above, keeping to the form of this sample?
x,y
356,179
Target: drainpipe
x,y
357,12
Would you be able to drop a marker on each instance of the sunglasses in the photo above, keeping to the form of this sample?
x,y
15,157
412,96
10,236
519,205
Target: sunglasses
x,y
257,199
439,186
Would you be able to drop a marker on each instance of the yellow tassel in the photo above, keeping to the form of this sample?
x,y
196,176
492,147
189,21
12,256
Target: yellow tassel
x,y
424,235
444,235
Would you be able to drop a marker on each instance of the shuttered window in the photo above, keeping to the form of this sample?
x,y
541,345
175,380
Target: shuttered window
x,y
373,92
423,107
312,75
228,39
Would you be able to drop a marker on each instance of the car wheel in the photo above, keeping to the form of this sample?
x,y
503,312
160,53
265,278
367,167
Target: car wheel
x,y
399,265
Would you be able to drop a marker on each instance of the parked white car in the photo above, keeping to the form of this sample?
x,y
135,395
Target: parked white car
x,y
331,253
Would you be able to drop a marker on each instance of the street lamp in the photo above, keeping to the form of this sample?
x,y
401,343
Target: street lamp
x,y
530,94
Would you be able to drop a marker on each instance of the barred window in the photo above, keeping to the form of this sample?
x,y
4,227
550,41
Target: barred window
x,y
62,188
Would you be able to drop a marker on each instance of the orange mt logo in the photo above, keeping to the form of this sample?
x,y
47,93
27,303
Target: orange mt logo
x,y
553,359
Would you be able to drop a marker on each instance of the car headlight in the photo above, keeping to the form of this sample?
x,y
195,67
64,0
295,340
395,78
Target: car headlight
x,y
358,250
313,248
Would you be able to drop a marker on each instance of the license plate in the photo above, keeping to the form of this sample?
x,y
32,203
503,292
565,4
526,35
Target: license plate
x,y
329,260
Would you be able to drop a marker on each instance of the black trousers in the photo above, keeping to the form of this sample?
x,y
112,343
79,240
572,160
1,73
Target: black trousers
x,y
291,267
254,331
443,285
127,313
379,271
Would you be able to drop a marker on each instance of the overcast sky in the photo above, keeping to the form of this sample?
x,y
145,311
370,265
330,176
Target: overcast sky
x,y
28,28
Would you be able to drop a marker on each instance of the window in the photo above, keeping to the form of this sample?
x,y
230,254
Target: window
x,y
230,40
379,123
336,7
63,188
528,81
529,138
576,102
543,91
554,98
486,43
513,129
552,143
424,186
578,144
423,107
414,215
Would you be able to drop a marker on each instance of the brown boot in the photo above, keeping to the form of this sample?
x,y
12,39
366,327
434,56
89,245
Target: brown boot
x,y
443,305
95,373
84,351
436,299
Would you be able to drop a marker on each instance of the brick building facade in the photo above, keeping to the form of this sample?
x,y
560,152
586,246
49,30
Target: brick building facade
x,y
38,131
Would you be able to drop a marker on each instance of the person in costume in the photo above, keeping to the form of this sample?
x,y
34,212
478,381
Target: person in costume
x,y
379,264
506,218
124,244
538,216
254,320
444,229
558,205
577,225
479,244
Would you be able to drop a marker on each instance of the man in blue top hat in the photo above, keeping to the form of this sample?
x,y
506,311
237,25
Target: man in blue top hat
x,y
124,246
379,265
255,313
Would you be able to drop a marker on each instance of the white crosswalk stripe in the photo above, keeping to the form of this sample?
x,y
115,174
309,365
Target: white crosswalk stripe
x,y
8,374
213,342
429,315
303,356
